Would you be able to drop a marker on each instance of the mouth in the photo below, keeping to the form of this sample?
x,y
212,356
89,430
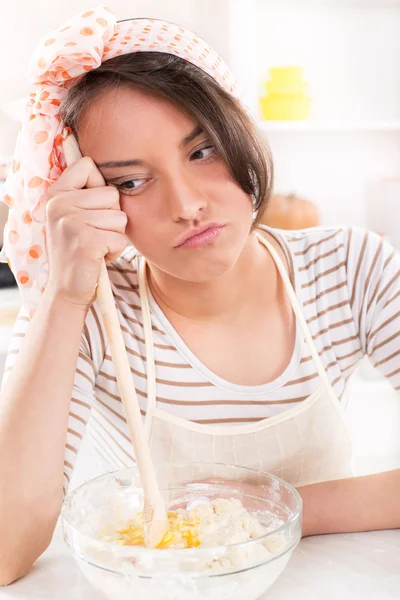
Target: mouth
x,y
201,236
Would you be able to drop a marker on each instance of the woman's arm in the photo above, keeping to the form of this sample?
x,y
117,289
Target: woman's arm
x,y
364,503
34,408
84,224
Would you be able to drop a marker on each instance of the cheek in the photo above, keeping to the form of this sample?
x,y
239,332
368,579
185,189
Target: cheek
x,y
140,217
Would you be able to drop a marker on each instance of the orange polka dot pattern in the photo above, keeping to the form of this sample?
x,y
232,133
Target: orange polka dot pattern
x,y
78,46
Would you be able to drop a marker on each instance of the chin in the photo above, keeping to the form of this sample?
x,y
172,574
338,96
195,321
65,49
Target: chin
x,y
203,269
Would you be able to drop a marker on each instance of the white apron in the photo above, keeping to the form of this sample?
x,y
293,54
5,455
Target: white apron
x,y
303,445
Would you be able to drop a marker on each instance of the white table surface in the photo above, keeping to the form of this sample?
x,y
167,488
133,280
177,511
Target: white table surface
x,y
361,566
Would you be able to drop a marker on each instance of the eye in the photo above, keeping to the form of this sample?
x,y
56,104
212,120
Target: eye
x,y
131,185
204,154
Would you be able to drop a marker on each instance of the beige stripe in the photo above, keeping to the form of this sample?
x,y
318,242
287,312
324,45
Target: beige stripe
x,y
349,355
324,312
320,257
324,292
368,280
297,238
27,319
71,414
67,478
158,363
114,412
387,322
344,341
335,381
81,403
360,259
396,295
126,288
107,376
113,439
231,420
139,339
194,384
323,274
383,292
86,339
332,326
69,447
354,364
85,376
113,396
133,320
75,433
114,270
303,379
330,365
306,358
393,373
18,335
387,358
68,464
100,331
372,299
390,339
122,299
88,360
314,244
16,351
232,403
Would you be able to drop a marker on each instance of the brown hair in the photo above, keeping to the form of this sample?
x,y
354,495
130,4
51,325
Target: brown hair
x,y
198,95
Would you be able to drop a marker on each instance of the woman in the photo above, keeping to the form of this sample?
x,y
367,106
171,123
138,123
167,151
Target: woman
x,y
254,332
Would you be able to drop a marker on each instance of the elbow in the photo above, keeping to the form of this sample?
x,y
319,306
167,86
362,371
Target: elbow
x,y
8,576
15,564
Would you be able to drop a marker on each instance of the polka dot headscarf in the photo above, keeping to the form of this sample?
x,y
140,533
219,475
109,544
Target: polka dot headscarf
x,y
80,45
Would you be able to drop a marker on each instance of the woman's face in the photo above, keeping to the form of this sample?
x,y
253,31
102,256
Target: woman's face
x,y
172,184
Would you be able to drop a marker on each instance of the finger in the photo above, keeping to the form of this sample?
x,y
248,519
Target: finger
x,y
94,199
108,220
82,173
114,244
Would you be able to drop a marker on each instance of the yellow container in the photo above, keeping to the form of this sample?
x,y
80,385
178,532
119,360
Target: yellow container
x,y
286,96
279,107
278,87
286,74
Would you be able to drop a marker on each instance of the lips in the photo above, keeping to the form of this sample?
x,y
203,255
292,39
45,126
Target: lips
x,y
199,236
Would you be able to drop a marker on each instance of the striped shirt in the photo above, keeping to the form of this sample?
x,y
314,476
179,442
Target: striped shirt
x,y
347,280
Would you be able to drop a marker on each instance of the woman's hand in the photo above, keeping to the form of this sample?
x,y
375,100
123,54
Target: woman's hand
x,y
83,227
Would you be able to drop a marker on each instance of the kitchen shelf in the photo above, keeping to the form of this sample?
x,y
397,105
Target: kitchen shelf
x,y
326,126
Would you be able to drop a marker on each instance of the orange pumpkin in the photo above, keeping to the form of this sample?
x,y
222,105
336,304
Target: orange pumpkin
x,y
290,212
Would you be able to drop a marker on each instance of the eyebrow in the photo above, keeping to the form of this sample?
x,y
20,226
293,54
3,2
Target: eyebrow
x,y
136,162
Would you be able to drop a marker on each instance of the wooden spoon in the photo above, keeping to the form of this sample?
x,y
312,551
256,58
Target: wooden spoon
x,y
155,518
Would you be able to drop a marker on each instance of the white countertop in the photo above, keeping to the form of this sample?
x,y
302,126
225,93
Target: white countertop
x,y
361,566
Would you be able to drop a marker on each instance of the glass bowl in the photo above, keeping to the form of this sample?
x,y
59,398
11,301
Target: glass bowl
x,y
227,572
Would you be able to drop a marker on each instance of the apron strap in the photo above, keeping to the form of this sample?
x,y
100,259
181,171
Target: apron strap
x,y
297,309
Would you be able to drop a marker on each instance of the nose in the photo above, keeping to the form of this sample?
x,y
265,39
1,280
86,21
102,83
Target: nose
x,y
185,198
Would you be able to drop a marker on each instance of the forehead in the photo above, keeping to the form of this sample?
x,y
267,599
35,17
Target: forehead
x,y
129,116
